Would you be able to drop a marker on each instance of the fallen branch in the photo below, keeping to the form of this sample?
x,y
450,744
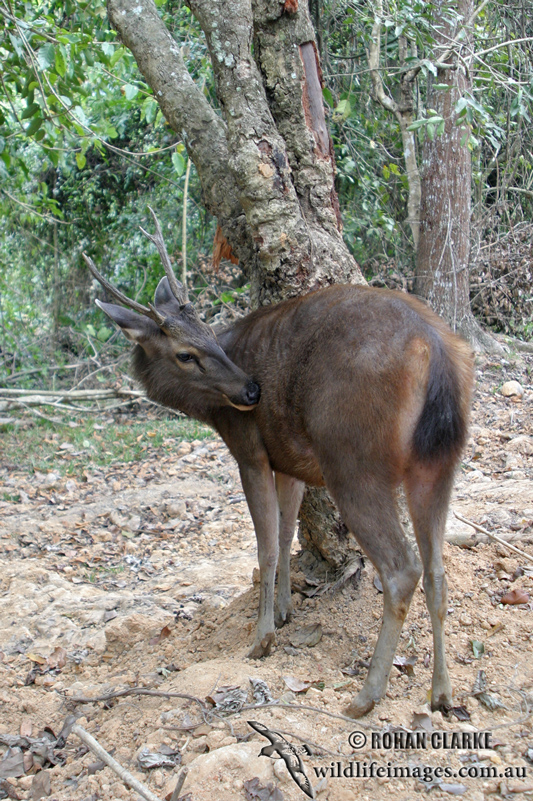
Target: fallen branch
x,y
80,699
115,766
494,537
71,394
179,785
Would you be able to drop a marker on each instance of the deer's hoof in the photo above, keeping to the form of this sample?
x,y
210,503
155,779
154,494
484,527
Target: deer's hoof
x,y
262,647
283,616
360,706
441,704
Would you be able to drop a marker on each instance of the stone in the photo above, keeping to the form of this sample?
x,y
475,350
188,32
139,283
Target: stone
x,y
512,389
131,629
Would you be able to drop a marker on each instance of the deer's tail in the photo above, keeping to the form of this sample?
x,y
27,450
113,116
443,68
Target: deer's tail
x,y
442,428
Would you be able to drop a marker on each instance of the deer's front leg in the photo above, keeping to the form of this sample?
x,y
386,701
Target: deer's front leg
x,y
290,493
260,490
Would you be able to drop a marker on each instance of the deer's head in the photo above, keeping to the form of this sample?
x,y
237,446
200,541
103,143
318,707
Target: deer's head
x,y
177,359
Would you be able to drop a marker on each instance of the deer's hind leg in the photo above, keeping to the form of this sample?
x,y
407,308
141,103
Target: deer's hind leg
x,y
369,510
428,490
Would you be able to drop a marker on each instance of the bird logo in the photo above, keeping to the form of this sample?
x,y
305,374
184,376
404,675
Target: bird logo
x,y
280,748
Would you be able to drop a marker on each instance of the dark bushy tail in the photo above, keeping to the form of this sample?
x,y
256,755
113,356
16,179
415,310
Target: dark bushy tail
x,y
442,427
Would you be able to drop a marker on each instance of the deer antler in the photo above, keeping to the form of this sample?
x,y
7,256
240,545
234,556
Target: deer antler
x,y
148,311
178,290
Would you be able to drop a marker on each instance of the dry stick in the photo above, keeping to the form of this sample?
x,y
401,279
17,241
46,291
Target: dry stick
x,y
80,699
359,723
124,774
179,785
74,394
494,537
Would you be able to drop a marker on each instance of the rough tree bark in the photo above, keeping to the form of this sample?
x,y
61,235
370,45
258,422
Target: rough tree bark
x,y
265,163
444,243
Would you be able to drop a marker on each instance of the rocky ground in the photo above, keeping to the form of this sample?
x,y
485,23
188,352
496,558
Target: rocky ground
x,y
138,580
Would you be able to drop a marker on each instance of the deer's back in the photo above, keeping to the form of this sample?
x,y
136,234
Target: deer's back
x,y
343,369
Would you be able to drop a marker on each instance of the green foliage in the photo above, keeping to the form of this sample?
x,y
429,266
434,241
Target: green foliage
x,y
84,149
367,138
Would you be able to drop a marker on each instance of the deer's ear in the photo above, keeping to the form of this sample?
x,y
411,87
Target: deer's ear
x,y
134,326
164,300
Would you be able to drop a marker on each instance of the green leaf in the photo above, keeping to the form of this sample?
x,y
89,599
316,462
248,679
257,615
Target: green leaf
x,y
328,97
130,91
178,163
61,61
81,161
149,109
478,648
104,333
34,126
416,125
343,110
29,111
79,114
46,56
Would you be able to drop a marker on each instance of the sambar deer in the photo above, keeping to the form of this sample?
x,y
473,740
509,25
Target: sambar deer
x,y
349,387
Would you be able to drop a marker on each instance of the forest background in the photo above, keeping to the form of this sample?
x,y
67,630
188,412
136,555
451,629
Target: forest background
x,y
85,149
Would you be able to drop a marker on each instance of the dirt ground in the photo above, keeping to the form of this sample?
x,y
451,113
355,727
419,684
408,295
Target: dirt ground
x,y
139,579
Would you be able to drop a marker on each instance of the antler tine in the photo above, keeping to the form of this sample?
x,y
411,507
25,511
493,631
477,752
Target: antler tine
x,y
118,295
178,290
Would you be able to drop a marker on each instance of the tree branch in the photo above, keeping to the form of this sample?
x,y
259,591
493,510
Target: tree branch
x,y
259,158
186,110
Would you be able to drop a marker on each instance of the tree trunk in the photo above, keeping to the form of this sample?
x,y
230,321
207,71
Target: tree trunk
x,y
444,242
266,165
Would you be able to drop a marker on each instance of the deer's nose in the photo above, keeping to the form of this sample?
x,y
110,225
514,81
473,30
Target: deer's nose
x,y
252,393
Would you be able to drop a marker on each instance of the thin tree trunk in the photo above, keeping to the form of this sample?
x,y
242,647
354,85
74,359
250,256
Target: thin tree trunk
x,y
443,276
403,110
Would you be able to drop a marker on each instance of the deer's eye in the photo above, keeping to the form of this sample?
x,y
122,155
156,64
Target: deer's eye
x,y
184,357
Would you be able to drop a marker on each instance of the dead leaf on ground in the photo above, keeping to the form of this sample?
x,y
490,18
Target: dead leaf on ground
x,y
297,685
261,691
405,664
421,720
516,596
255,791
12,765
58,658
228,699
460,712
308,636
165,632
40,660
40,786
